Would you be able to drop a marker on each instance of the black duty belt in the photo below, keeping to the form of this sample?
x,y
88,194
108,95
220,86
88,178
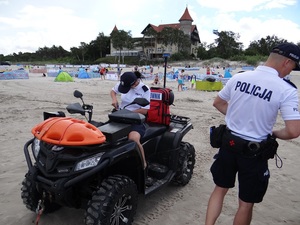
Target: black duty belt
x,y
240,145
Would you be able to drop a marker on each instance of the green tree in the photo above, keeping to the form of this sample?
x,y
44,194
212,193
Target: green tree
x,y
212,51
184,42
43,53
83,49
101,44
227,44
75,52
264,45
202,52
121,39
150,39
168,36
54,52
172,36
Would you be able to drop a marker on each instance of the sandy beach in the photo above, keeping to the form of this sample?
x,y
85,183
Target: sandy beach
x,y
24,101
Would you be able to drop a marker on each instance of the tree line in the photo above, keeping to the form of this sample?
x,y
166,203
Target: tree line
x,y
225,46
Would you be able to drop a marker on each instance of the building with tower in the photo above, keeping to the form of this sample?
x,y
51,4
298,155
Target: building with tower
x,y
152,45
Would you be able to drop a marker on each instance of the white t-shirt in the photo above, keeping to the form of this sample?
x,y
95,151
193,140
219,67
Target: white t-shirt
x,y
254,98
140,91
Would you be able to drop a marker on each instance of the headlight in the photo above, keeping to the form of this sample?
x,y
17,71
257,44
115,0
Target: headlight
x,y
36,147
88,163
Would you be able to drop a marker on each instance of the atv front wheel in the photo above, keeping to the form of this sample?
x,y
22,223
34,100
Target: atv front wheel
x,y
186,163
114,203
31,197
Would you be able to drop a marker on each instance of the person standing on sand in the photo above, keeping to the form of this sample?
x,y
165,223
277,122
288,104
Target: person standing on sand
x,y
102,73
180,80
119,71
193,81
250,102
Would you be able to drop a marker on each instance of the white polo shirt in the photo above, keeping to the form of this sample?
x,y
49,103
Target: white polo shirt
x,y
140,91
254,98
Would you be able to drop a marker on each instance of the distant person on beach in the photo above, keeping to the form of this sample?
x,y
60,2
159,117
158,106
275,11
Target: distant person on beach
x,y
151,69
119,71
193,81
180,80
156,80
250,102
102,73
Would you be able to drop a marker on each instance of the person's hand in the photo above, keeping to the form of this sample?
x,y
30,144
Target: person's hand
x,y
115,104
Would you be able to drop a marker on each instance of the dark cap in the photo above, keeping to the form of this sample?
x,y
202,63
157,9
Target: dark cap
x,y
290,51
126,81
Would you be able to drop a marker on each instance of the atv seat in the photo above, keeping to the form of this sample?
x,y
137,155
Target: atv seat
x,y
153,130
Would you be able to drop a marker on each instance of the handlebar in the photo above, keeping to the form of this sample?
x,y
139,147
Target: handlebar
x,y
85,108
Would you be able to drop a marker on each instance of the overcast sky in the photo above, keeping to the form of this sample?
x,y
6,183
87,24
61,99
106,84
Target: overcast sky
x,y
26,25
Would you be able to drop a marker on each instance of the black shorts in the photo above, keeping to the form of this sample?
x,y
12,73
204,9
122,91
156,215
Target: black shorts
x,y
253,174
140,128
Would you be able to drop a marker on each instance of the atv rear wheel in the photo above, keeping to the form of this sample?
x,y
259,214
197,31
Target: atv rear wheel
x,y
31,196
186,163
114,203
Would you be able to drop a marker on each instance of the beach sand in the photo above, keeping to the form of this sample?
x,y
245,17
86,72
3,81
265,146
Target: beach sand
x,y
24,101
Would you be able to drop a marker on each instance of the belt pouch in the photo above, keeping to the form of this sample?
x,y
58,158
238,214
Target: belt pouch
x,y
233,143
216,135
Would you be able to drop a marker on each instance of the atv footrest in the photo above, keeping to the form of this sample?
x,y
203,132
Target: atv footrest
x,y
156,184
157,170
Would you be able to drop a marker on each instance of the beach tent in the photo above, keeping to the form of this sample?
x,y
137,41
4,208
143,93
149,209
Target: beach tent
x,y
83,74
227,74
81,69
14,74
6,76
64,77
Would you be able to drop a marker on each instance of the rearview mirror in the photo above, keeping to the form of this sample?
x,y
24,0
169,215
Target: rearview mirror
x,y
77,94
141,101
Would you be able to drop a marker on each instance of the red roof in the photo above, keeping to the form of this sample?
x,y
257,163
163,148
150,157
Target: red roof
x,y
115,29
186,16
160,27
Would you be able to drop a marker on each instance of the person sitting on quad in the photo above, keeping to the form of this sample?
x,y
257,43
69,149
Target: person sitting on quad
x,y
131,87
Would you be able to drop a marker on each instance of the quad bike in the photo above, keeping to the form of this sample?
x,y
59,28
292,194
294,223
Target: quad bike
x,y
93,165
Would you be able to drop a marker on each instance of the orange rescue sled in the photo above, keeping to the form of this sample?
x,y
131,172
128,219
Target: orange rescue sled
x,y
68,131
